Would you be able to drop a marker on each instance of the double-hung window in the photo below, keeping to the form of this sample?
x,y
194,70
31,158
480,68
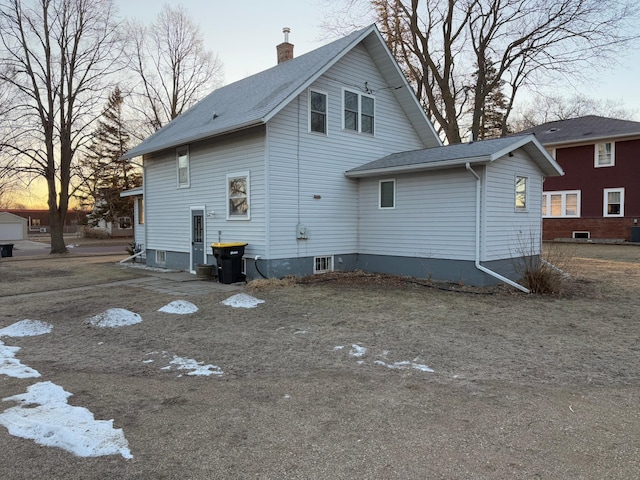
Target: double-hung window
x,y
358,112
182,166
613,202
605,155
521,194
561,204
317,112
238,196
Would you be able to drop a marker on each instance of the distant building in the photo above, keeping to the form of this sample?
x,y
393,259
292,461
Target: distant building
x,y
599,195
38,220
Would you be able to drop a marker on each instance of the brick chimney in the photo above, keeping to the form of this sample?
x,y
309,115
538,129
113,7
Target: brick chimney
x,y
285,49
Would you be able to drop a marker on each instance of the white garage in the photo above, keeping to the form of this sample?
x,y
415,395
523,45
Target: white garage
x,y
12,227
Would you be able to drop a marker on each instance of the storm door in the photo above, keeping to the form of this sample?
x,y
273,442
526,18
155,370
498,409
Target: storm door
x,y
197,238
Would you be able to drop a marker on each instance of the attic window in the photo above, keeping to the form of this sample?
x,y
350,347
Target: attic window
x,y
358,112
317,112
604,155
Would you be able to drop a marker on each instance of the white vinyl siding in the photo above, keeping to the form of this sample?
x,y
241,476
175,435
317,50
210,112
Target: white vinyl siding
x,y
507,233
303,166
168,215
422,224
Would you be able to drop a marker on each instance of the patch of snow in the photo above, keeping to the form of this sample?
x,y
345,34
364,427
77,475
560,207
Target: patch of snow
x,y
55,423
179,307
338,347
197,368
142,266
287,397
242,300
11,366
357,351
26,328
114,317
405,365
301,332
148,361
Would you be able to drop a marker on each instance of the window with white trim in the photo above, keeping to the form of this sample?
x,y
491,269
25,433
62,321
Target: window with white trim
x,y
561,204
605,155
124,223
238,196
521,193
317,112
322,264
387,194
358,112
613,202
182,166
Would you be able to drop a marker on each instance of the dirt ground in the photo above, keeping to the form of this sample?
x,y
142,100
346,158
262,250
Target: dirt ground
x,y
524,386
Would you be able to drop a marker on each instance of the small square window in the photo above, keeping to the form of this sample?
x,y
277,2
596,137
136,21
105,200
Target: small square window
x,y
387,194
322,264
161,257
521,193
604,155
238,196
124,223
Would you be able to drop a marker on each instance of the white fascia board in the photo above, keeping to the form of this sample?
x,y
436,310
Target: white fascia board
x,y
418,167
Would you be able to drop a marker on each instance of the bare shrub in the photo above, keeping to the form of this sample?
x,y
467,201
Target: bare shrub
x,y
544,273
262,284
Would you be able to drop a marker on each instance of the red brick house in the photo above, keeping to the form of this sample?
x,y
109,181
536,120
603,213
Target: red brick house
x,y
599,195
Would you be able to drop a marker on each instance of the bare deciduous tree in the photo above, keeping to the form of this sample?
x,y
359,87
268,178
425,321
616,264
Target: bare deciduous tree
x,y
448,47
174,68
58,56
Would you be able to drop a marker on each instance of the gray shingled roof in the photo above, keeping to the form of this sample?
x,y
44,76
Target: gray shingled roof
x,y
458,155
590,127
253,100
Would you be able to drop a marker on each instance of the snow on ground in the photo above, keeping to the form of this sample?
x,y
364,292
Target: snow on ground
x,y
114,317
180,363
196,368
55,423
404,366
242,300
359,351
179,307
11,366
26,328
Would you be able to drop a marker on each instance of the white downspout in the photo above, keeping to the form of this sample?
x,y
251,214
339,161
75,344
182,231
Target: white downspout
x,y
477,260
134,256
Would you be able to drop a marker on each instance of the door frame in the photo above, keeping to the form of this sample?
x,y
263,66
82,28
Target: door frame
x,y
192,208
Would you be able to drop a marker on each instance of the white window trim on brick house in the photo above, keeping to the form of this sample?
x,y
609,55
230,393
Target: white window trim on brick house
x,y
596,155
605,206
546,204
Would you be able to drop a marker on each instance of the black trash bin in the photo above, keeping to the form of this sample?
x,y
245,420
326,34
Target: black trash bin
x,y
6,250
229,259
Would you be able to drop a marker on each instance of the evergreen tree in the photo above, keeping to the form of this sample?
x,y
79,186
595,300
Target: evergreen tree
x,y
494,107
105,174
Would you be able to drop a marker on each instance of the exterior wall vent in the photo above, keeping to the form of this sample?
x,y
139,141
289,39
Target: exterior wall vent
x,y
161,257
582,235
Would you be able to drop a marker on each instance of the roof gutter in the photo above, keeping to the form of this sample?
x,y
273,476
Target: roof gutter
x,y
416,167
477,256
